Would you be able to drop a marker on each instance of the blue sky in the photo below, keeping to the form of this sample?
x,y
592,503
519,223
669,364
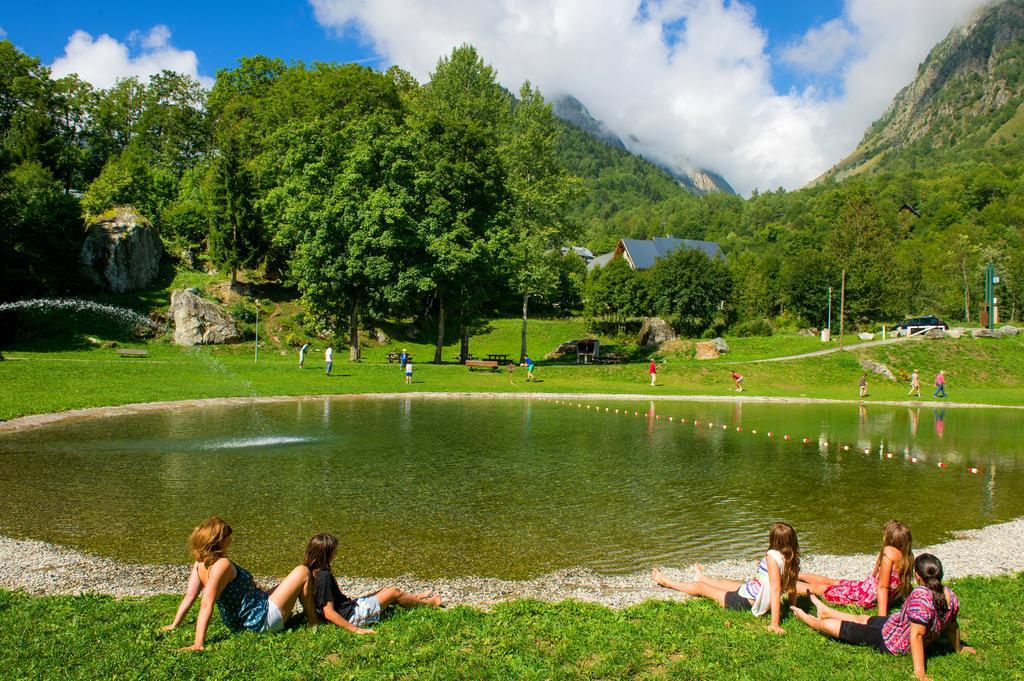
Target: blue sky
x,y
219,31
767,93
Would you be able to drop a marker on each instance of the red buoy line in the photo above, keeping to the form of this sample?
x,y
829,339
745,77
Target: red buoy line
x,y
739,429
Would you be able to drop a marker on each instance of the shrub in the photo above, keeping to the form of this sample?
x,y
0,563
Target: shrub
x,y
753,327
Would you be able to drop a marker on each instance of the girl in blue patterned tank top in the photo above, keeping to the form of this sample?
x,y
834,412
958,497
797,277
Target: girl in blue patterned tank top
x,y
242,605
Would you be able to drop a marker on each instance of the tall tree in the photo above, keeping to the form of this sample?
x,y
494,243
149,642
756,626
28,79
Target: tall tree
x,y
540,192
460,185
345,197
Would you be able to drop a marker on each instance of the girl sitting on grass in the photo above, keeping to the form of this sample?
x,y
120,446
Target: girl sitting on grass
x,y
776,573
928,613
891,580
241,603
352,613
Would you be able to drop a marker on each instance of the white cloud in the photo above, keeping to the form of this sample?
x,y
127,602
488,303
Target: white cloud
x,y
822,48
103,60
3,32
691,79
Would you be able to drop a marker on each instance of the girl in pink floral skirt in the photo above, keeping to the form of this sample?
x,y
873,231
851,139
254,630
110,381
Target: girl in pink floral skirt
x,y
891,580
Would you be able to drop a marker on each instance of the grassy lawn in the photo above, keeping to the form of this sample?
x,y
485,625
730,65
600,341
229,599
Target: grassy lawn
x,y
102,637
53,379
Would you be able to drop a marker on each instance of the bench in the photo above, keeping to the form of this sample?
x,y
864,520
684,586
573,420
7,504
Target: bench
x,y
132,352
395,356
482,364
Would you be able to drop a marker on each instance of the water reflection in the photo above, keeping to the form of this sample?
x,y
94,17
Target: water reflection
x,y
508,488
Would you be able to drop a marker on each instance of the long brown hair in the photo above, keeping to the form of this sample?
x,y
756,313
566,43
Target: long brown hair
x,y
782,538
897,535
929,569
320,552
209,540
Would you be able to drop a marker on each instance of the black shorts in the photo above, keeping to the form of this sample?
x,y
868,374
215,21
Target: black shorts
x,y
733,601
869,634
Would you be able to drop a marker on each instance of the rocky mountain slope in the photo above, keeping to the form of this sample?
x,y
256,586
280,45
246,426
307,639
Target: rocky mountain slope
x,y
967,96
696,180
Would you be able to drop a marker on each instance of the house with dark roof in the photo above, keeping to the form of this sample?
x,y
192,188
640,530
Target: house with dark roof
x,y
641,254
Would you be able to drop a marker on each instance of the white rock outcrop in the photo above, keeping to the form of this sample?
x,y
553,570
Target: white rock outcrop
x,y
200,322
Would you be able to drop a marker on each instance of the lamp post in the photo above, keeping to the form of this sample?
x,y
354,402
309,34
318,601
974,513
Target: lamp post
x,y
256,355
830,313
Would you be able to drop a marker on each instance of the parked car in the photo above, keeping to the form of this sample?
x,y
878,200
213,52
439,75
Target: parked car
x,y
912,327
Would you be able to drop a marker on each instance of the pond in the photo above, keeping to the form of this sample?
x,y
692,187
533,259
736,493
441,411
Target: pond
x,y
509,488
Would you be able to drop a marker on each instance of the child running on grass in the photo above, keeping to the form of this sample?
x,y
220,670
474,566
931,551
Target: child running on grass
x,y
928,613
241,603
352,613
776,573
891,580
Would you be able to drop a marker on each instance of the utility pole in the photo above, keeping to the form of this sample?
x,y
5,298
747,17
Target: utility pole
x,y
842,308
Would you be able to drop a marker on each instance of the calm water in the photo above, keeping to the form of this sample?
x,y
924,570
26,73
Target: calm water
x,y
505,487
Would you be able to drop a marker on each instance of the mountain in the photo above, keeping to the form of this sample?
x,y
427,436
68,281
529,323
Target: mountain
x,y
696,180
965,101
571,110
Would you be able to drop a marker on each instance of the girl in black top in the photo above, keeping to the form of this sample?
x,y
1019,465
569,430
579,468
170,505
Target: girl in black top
x,y
352,613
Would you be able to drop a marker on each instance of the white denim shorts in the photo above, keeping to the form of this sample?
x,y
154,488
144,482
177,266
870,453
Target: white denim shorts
x,y
273,622
367,611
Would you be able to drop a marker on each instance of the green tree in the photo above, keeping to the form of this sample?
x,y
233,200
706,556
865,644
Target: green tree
x,y
460,186
346,198
540,193
616,292
688,288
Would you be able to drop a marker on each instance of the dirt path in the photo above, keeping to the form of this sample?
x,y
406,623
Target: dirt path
x,y
829,351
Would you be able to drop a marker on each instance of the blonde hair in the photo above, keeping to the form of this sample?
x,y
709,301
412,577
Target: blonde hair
x,y
209,539
897,535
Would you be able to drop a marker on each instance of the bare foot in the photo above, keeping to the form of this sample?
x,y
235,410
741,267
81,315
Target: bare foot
x,y
659,577
800,614
821,607
434,601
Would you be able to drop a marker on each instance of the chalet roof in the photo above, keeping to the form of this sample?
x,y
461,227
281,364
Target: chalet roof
x,y
601,260
581,251
641,254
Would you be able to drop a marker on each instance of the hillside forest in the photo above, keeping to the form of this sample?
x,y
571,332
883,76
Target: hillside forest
x,y
373,196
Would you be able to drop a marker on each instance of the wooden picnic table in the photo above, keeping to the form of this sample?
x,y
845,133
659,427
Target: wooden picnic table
x,y
395,356
500,358
482,364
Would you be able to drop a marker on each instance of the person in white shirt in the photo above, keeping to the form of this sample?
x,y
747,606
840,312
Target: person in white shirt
x,y
328,358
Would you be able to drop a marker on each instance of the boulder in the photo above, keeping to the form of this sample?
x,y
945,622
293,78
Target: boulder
x,y
807,332
122,251
876,368
379,336
956,332
721,345
656,331
566,348
865,336
984,333
935,334
200,322
707,350
1008,330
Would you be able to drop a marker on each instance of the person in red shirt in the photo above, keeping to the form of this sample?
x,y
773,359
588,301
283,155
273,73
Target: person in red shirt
x,y
653,371
738,380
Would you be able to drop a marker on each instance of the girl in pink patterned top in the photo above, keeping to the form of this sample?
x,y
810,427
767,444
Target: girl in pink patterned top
x,y
929,612
890,580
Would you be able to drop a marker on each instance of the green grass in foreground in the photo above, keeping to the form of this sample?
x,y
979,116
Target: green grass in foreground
x,y
979,371
102,637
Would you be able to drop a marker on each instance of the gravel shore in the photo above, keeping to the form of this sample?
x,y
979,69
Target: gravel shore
x,y
46,569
